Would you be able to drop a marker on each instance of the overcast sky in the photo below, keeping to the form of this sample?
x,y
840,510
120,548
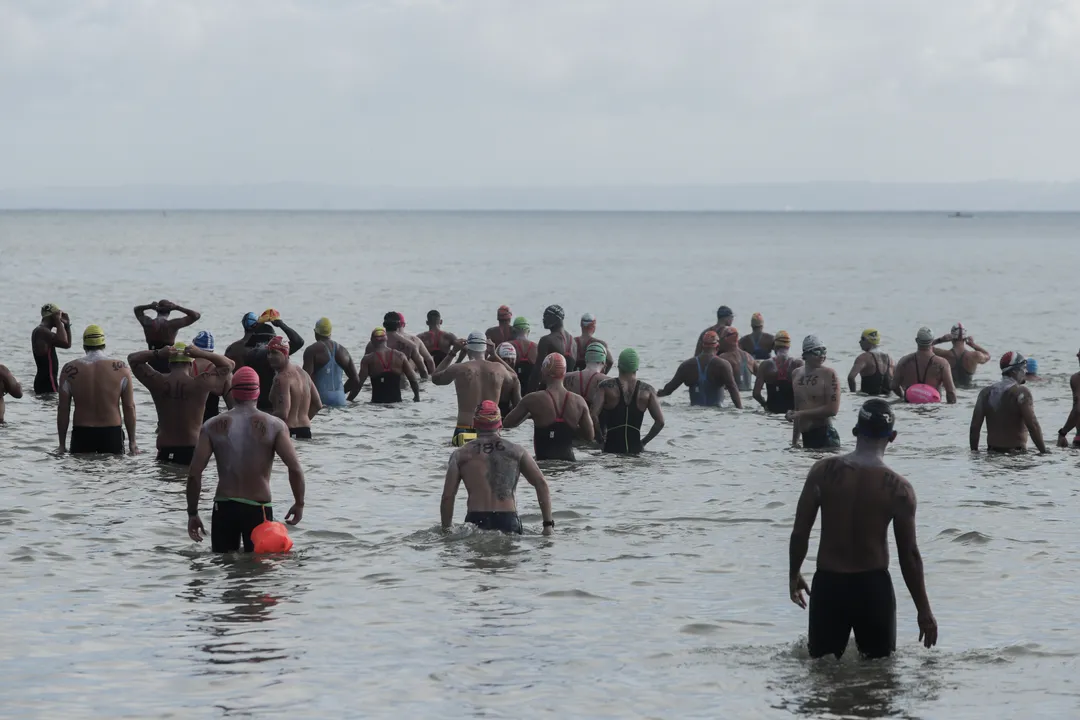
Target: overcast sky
x,y
552,92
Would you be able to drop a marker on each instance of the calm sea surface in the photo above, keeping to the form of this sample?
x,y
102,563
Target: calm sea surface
x,y
663,593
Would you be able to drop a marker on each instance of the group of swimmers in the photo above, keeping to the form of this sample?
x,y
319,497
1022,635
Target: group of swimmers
x,y
561,382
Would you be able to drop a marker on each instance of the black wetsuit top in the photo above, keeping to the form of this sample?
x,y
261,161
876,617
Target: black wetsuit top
x,y
523,368
555,441
386,385
880,383
623,423
961,377
781,394
45,379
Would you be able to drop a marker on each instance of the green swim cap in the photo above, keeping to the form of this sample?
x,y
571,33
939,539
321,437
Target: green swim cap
x,y
595,353
628,360
520,323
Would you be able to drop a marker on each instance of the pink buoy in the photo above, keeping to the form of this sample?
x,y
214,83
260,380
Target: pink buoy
x,y
921,394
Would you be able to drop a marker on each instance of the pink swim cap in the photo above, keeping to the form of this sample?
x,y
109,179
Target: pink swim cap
x,y
554,366
245,385
487,417
280,344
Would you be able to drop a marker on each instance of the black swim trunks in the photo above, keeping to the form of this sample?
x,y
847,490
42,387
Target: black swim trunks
x,y
178,455
842,602
101,440
504,521
821,437
233,521
303,433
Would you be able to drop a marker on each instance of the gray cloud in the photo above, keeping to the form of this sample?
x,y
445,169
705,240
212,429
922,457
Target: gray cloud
x,y
563,92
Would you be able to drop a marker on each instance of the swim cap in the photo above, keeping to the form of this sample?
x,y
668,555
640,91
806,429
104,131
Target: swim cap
x,y
323,327
504,313
269,315
756,320
555,311
279,344
401,317
204,341
487,417
924,337
782,339
49,309
729,333
179,357
1010,361
875,419
520,323
378,335
958,332
724,312
476,342
588,319
1032,366
391,321
811,345
249,321
93,336
554,366
245,384
710,339
507,352
595,353
871,336
628,360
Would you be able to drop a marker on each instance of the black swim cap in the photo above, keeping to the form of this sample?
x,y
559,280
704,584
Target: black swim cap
x,y
724,311
555,311
391,321
876,419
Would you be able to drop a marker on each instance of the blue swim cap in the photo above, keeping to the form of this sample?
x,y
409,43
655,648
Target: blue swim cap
x,y
204,341
250,320
1032,366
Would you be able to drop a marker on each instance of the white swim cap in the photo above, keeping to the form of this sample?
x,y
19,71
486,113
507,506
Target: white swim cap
x,y
477,342
506,351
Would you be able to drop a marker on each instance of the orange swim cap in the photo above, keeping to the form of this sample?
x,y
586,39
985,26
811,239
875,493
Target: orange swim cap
x,y
271,537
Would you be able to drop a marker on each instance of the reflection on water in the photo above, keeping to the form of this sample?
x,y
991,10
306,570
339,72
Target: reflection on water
x,y
663,592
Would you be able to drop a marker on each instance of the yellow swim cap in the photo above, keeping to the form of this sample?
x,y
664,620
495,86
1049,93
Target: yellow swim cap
x,y
323,327
782,339
93,336
49,309
871,336
180,357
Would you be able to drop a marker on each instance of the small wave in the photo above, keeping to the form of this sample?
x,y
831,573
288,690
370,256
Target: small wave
x,y
972,538
578,594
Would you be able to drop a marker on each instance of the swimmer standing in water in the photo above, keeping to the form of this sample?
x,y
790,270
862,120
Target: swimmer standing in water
x,y
236,350
724,318
160,331
586,382
742,363
873,365
439,343
774,375
588,337
99,386
385,367
403,343
758,343
859,496
557,414
924,367
962,361
504,331
1074,415
474,381
53,332
179,395
526,352
558,340
293,394
243,442
201,366
327,363
490,467
8,386
619,409
707,376
1009,411
817,399
508,354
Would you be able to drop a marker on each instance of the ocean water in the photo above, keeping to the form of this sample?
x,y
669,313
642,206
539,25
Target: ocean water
x,y
663,592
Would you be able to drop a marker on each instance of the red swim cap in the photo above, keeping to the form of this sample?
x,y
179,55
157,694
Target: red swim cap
x,y
402,319
279,344
711,339
730,333
555,366
487,416
504,313
245,384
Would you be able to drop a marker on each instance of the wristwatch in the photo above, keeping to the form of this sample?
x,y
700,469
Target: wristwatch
x,y
549,523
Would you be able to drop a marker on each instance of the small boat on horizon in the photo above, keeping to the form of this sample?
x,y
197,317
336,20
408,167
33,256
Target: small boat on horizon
x,y
961,215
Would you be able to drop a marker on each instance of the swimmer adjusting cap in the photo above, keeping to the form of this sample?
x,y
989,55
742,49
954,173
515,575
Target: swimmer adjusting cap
x,y
1012,360
757,320
324,327
782,339
812,345
595,353
245,384
1032,366
179,357
204,341
871,336
476,342
629,361
269,315
278,344
49,309
506,351
520,323
876,419
504,313
554,366
924,337
487,417
93,336
958,332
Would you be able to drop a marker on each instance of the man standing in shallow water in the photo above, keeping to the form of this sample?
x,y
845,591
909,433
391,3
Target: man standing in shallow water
x,y
490,467
99,386
817,399
859,495
1009,411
